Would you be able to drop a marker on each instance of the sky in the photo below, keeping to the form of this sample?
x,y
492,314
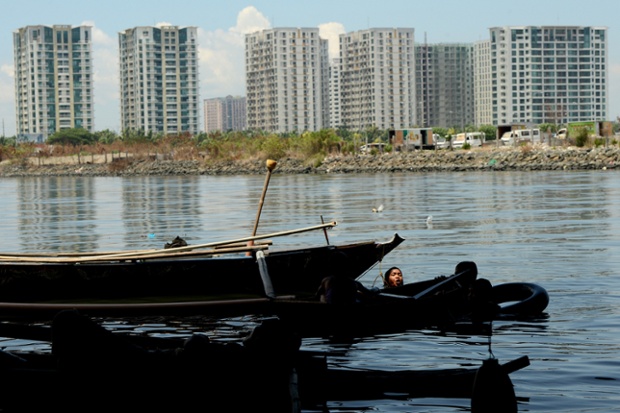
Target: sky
x,y
222,24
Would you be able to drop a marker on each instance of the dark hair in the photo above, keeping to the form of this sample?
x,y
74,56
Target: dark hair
x,y
472,271
387,276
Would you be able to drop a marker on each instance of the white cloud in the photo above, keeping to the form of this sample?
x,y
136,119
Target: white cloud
x,y
105,79
7,100
7,70
7,84
221,55
332,31
614,91
250,20
163,24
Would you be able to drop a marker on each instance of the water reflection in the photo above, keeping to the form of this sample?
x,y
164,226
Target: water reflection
x,y
160,208
57,214
558,229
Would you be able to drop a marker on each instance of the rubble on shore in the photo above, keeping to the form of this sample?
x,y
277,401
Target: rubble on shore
x,y
491,159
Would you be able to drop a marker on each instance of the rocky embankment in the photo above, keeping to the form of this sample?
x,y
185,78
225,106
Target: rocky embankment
x,y
483,159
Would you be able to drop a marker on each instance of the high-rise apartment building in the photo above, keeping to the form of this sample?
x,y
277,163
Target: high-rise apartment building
x,y
549,74
159,79
445,85
483,84
377,78
334,94
53,80
287,80
225,114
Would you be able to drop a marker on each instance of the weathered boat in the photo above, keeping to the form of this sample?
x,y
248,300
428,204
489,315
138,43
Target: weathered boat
x,y
436,303
192,273
443,303
425,303
428,303
92,369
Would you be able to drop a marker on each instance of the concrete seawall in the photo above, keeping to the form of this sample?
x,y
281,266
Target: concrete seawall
x,y
483,159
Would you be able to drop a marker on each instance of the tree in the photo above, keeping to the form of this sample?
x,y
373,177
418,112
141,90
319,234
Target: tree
x,y
373,133
344,133
106,136
489,131
443,132
73,137
134,136
8,141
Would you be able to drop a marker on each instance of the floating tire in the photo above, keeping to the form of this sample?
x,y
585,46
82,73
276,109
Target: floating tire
x,y
517,298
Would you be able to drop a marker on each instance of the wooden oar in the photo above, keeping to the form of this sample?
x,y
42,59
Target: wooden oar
x,y
182,254
10,256
139,256
433,288
166,251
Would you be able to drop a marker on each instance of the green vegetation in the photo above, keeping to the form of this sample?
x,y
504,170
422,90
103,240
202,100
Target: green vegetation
x,y
73,137
232,146
581,138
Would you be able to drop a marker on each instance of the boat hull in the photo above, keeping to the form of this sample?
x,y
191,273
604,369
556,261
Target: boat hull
x,y
294,271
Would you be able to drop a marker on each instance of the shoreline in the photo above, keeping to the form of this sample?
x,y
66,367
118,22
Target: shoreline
x,y
490,159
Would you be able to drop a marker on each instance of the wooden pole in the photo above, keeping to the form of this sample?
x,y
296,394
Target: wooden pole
x,y
271,165
325,231
166,251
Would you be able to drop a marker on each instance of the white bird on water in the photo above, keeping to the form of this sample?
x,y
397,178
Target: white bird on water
x,y
429,221
379,209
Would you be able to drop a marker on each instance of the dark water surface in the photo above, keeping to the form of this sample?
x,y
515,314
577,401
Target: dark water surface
x,y
557,229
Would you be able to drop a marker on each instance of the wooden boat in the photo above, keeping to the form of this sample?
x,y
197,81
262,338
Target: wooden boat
x,y
435,303
442,294
92,369
194,273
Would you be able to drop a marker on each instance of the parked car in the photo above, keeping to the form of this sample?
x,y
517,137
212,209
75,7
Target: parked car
x,y
474,139
521,135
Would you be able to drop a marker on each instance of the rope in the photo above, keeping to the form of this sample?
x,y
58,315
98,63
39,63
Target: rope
x,y
377,277
491,355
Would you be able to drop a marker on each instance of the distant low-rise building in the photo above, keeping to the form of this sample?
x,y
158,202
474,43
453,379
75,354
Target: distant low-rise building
x,y
225,114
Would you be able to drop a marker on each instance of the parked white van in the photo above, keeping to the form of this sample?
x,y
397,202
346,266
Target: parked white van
x,y
521,135
442,143
368,148
474,139
562,134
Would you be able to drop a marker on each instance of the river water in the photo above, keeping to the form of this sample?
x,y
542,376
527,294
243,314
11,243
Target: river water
x,y
560,230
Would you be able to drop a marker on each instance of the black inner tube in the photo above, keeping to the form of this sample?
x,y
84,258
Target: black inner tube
x,y
521,298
